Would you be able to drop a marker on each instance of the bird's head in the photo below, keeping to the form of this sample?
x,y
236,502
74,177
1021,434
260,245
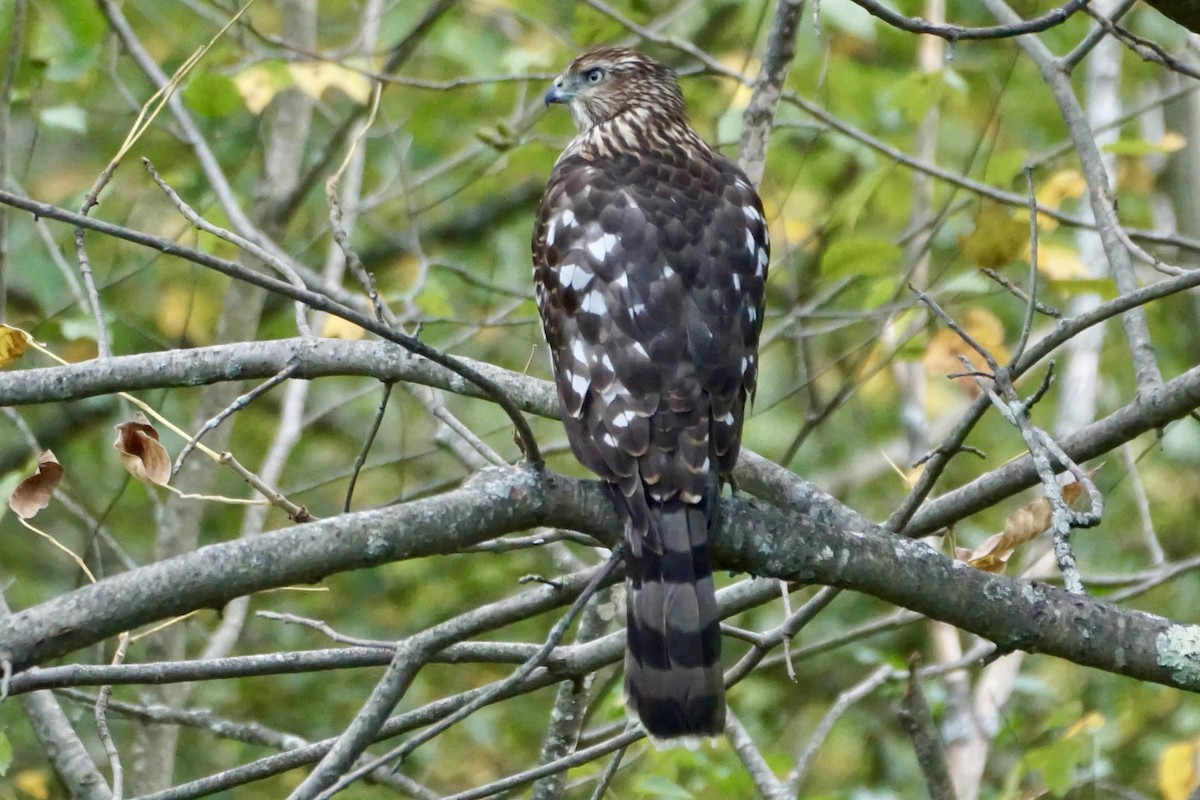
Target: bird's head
x,y
603,83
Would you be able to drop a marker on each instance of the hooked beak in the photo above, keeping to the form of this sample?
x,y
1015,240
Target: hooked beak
x,y
556,94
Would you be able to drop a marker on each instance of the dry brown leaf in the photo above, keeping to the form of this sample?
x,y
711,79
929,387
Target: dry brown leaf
x,y
13,344
34,493
1023,525
141,453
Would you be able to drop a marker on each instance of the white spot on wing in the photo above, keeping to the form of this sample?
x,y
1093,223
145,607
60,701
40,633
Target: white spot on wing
x,y
751,245
667,271
568,217
762,261
551,230
579,383
602,245
621,281
641,351
609,439
593,302
728,418
578,351
752,314
752,213
635,309
737,282
623,419
574,276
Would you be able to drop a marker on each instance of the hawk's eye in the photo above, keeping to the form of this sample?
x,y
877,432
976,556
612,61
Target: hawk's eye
x,y
594,75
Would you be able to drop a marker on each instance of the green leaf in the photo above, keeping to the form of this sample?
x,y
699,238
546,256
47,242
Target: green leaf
x,y
1101,286
1057,763
1064,714
1140,147
916,93
860,255
856,201
66,117
212,95
67,36
658,786
1003,168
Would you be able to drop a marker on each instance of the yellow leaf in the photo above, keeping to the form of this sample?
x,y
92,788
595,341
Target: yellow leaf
x,y
790,223
257,87
313,78
1090,723
739,62
338,328
996,240
33,782
1060,263
1177,777
1062,185
13,344
1172,142
942,354
187,312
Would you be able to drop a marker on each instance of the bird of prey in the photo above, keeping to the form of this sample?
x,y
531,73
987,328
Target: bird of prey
x,y
650,257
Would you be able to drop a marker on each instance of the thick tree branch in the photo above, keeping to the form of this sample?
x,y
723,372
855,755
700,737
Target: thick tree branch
x,y
820,542
327,357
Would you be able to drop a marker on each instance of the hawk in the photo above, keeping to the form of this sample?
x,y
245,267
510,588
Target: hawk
x,y
650,256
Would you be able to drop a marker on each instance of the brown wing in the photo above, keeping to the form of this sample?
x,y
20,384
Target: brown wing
x,y
650,272
650,275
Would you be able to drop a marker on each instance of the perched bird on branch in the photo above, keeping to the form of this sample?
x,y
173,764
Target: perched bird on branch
x,y
650,257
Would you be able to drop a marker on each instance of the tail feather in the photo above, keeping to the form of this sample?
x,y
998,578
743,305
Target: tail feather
x,y
673,678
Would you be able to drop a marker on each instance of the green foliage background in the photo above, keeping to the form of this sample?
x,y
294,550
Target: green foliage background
x,y
452,179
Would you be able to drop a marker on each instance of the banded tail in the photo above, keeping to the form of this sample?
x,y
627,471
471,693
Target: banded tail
x,y
673,678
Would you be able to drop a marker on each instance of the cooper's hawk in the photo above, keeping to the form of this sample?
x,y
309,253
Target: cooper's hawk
x,y
650,257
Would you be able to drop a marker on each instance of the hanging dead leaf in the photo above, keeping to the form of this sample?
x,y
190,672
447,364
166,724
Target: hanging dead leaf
x,y
141,453
34,493
13,344
996,240
1023,525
